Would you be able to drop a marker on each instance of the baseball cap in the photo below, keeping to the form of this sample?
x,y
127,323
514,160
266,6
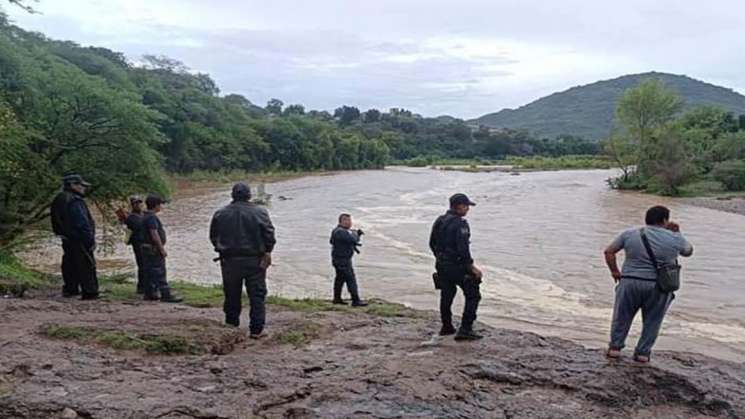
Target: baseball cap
x,y
461,199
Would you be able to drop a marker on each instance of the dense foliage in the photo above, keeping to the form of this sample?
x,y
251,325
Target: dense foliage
x,y
589,111
666,152
65,107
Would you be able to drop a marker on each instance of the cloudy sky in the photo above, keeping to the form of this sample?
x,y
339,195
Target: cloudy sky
x,y
462,58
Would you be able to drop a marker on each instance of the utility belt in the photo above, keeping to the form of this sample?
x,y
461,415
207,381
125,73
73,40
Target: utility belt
x,y
639,278
449,260
239,253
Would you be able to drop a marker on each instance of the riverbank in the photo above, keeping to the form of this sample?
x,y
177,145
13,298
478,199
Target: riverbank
x,y
196,183
525,164
732,204
122,357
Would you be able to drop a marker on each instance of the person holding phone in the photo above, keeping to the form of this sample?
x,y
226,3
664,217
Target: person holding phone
x,y
636,284
345,242
450,241
243,235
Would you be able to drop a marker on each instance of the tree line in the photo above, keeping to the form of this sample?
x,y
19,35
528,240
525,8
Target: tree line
x,y
124,125
663,150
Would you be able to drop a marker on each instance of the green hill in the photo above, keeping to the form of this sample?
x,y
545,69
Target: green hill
x,y
588,110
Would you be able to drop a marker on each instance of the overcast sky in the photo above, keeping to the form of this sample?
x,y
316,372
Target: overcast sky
x,y
462,58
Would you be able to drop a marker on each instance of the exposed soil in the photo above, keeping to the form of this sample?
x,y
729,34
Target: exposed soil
x,y
734,204
332,365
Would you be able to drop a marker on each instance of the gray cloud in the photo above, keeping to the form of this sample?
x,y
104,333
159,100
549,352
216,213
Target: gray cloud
x,y
434,57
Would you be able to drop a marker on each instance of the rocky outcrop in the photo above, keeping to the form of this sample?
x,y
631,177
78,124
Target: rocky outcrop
x,y
346,365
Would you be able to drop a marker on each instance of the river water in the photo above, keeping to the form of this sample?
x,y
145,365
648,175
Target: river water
x,y
539,238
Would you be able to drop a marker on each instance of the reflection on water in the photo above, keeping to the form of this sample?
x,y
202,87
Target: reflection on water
x,y
539,237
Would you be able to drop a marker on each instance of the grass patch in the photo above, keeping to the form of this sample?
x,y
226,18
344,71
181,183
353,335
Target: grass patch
x,y
707,187
559,163
122,288
376,308
196,295
300,335
308,305
202,178
116,339
15,278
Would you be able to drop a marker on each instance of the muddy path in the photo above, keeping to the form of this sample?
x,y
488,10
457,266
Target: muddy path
x,y
330,365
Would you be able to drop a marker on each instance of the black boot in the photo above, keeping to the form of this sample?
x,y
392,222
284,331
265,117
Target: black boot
x,y
151,296
447,330
359,303
467,334
340,301
167,297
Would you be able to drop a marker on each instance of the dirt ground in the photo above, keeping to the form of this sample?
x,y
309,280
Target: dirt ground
x,y
327,365
734,204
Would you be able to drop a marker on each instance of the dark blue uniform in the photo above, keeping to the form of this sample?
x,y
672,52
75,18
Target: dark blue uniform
x,y
344,244
72,221
242,233
450,242
134,223
154,262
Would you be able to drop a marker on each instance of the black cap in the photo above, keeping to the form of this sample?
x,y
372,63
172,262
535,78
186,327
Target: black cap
x,y
153,200
241,191
72,178
461,199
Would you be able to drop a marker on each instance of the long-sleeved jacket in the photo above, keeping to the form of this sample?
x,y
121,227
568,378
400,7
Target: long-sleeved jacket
x,y
450,239
242,229
72,220
344,242
134,223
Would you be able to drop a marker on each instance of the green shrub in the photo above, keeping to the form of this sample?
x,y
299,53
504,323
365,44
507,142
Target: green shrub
x,y
731,174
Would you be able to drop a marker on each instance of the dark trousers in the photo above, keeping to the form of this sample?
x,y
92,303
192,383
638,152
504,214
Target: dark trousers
x,y
452,277
154,271
78,270
236,272
345,275
141,282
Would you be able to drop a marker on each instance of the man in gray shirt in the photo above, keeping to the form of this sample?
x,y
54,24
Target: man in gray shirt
x,y
637,282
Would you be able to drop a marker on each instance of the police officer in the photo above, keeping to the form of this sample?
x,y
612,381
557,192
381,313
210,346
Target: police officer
x,y
450,243
136,237
72,221
345,243
154,253
243,234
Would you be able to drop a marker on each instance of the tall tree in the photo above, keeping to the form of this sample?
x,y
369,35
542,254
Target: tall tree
x,y
646,107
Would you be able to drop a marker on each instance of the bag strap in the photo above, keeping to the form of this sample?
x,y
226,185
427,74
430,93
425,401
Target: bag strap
x,y
649,250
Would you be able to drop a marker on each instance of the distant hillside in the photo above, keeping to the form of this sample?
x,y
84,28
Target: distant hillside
x,y
588,111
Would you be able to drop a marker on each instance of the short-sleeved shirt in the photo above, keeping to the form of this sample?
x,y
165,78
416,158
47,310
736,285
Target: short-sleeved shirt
x,y
666,245
152,222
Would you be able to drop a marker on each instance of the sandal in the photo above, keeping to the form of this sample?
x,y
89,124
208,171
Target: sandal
x,y
613,353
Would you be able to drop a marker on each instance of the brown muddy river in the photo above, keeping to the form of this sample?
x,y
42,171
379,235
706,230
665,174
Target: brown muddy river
x,y
538,236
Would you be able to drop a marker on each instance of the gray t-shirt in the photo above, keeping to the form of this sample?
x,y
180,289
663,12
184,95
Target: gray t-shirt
x,y
666,245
